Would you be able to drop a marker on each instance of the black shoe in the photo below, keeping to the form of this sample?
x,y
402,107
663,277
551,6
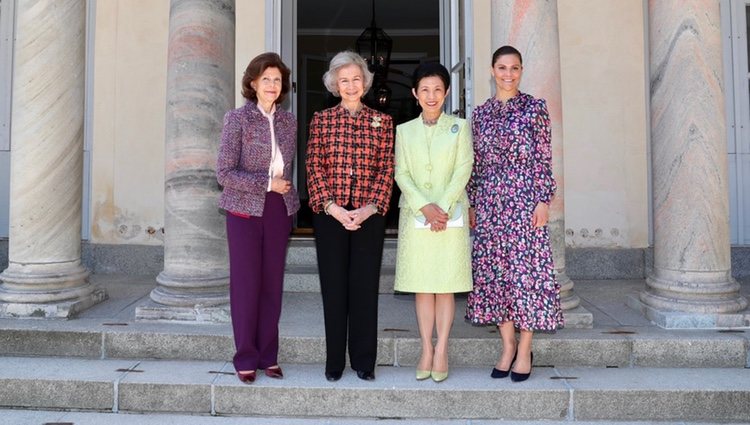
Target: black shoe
x,y
366,375
333,376
520,377
497,373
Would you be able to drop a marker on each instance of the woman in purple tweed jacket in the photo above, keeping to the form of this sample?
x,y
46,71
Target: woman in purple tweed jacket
x,y
255,168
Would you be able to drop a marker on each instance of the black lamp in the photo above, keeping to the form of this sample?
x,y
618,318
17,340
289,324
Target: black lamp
x,y
375,46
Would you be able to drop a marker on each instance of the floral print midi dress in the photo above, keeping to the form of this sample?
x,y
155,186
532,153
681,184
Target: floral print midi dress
x,y
513,271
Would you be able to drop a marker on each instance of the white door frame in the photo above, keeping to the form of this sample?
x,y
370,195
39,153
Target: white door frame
x,y
88,120
7,21
456,46
455,28
737,106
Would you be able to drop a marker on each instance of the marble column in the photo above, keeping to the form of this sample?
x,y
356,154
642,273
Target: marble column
x,y
692,269
200,89
531,27
45,277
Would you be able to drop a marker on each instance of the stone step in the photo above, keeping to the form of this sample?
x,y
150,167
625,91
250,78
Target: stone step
x,y
210,388
301,251
108,331
36,417
301,272
397,346
304,278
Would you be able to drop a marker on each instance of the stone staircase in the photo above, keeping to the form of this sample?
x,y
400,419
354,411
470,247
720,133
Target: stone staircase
x,y
302,268
621,369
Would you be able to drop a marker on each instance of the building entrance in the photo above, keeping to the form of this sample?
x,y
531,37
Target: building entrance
x,y
313,32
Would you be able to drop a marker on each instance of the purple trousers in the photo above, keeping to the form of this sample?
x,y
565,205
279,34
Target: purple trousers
x,y
257,254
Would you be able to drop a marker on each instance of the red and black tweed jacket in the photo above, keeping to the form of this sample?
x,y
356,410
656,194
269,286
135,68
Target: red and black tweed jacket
x,y
350,159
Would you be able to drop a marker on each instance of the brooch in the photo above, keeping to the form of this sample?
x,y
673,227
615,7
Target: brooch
x,y
454,128
376,122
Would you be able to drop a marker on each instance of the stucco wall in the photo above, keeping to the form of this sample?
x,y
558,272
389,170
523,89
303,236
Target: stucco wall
x,y
250,41
127,172
605,127
482,52
604,115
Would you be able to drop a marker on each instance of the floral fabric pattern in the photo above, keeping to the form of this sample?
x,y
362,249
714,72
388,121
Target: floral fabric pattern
x,y
513,271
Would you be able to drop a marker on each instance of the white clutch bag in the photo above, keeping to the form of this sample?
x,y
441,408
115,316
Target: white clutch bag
x,y
456,219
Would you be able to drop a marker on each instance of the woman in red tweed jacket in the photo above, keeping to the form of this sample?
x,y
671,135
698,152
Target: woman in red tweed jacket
x,y
255,168
349,178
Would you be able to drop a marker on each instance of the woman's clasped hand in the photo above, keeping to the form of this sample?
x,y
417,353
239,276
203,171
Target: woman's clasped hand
x,y
435,217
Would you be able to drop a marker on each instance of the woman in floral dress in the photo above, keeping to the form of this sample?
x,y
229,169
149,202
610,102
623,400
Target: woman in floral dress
x,y
510,190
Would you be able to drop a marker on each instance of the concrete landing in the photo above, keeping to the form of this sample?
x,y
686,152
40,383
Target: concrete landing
x,y
620,337
624,368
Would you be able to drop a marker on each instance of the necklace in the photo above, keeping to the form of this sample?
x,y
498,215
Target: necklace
x,y
353,112
430,122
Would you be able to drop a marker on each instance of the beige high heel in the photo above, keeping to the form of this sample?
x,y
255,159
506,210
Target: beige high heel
x,y
439,376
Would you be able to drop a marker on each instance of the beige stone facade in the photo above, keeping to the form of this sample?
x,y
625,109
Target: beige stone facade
x,y
593,60
604,119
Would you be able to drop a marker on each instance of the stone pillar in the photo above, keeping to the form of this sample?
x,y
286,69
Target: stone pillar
x,y
200,89
691,283
531,27
45,277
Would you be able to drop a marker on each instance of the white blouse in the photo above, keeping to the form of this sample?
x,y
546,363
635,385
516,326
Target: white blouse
x,y
276,168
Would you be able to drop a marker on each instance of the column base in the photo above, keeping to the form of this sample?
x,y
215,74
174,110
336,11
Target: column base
x,y
53,310
202,299
702,293
47,290
199,313
672,319
180,291
568,299
576,317
44,283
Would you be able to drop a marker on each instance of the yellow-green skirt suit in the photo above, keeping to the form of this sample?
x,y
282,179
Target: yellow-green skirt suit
x,y
433,165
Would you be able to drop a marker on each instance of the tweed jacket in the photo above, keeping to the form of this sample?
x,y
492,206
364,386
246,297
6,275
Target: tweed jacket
x,y
350,159
433,169
245,156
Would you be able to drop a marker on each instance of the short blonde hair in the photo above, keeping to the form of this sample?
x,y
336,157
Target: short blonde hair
x,y
341,60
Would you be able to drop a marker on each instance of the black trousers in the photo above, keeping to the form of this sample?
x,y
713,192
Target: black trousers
x,y
349,269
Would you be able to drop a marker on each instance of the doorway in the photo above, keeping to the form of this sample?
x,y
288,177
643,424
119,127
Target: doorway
x,y
313,32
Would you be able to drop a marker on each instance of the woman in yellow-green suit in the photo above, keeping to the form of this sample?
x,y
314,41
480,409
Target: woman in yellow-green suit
x,y
434,157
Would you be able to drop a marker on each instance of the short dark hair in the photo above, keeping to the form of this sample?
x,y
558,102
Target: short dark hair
x,y
430,69
258,66
506,50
